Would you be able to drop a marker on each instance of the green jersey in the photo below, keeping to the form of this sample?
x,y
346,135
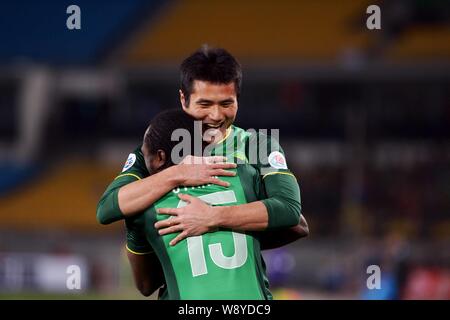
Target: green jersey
x,y
215,257
224,264
282,191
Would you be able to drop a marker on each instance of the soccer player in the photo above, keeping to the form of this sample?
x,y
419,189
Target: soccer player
x,y
223,264
210,86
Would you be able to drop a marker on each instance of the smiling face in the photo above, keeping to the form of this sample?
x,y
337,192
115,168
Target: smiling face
x,y
214,104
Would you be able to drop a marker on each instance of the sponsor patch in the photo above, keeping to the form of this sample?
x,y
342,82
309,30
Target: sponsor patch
x,y
277,160
130,161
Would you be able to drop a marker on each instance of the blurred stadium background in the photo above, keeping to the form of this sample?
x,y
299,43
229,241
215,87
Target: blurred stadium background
x,y
364,118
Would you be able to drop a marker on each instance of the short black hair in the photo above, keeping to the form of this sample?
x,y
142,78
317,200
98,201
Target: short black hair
x,y
159,133
215,65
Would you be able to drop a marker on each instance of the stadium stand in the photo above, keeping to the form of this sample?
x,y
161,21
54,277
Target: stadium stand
x,y
64,197
369,144
257,32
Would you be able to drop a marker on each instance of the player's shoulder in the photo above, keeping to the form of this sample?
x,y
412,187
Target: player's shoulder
x,y
244,138
256,139
240,133
138,153
251,135
135,163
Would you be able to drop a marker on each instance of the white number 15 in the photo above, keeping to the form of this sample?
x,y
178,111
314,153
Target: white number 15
x,y
195,244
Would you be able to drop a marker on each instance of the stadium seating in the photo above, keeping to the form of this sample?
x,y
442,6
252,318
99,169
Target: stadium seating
x,y
289,31
71,192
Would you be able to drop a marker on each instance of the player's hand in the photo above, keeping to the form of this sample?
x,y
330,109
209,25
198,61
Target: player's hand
x,y
201,160
194,219
195,171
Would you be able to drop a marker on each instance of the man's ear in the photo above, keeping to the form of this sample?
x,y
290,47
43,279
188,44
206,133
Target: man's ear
x,y
158,161
161,157
182,100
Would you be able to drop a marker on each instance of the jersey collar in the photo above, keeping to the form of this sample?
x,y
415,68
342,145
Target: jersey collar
x,y
227,133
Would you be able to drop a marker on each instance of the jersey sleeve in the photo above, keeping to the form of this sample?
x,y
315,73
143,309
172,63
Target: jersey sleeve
x,y
283,200
108,210
137,242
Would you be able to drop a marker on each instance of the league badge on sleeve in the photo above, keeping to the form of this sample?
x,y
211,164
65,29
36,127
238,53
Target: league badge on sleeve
x,y
277,160
130,161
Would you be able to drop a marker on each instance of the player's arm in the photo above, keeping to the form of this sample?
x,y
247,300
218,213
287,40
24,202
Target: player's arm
x,y
281,209
147,271
272,239
108,208
134,190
